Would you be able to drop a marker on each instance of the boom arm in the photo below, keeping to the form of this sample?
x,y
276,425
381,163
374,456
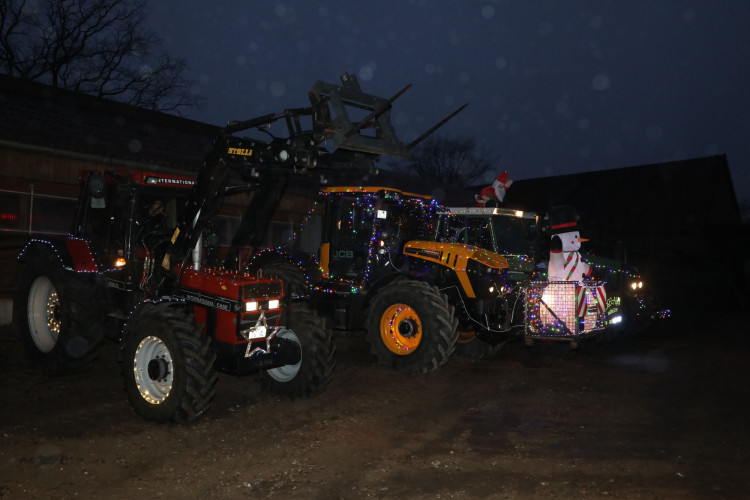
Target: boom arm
x,y
298,153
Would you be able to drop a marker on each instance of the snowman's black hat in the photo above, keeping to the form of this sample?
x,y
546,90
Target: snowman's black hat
x,y
562,219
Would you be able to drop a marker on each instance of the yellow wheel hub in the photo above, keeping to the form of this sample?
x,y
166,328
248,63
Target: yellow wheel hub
x,y
400,329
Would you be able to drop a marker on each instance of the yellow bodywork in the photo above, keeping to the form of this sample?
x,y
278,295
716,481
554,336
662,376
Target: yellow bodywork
x,y
325,250
456,256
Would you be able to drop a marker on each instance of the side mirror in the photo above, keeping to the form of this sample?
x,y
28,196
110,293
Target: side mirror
x,y
212,239
97,188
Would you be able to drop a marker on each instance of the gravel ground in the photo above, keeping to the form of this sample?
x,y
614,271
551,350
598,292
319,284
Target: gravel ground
x,y
663,415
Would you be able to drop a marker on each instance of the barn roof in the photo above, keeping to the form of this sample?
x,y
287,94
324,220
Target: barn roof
x,y
40,116
690,195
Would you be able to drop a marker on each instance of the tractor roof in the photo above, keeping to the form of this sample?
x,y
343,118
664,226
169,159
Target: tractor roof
x,y
372,189
491,211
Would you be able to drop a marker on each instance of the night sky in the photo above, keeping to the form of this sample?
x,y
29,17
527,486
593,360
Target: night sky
x,y
553,87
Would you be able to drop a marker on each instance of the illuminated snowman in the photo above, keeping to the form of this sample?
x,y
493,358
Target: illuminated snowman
x,y
566,300
565,263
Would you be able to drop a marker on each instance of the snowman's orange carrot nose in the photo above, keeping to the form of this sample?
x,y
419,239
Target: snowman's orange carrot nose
x,y
582,239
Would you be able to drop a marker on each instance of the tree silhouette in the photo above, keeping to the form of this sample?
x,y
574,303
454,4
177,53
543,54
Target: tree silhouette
x,y
97,47
452,161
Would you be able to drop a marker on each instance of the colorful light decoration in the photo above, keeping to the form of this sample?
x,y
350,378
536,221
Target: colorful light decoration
x,y
558,308
564,309
366,214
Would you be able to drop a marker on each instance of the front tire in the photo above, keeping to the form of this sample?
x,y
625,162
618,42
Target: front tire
x,y
168,366
411,327
312,374
59,316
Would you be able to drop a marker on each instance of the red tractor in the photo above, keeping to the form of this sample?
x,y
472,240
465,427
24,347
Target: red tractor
x,y
176,322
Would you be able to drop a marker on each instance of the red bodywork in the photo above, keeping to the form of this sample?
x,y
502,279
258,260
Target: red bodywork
x,y
227,292
80,254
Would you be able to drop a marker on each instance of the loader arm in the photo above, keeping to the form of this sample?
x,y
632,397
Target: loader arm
x,y
357,146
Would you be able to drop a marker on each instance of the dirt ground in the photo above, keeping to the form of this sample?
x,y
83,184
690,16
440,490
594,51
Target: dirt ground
x,y
665,415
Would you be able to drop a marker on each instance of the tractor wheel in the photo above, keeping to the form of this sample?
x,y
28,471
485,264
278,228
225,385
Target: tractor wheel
x,y
411,327
314,371
292,276
59,316
168,365
470,346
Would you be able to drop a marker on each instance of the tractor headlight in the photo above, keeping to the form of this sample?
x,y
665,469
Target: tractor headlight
x,y
254,305
636,285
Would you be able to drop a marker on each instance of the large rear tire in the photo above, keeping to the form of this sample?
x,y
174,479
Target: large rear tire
x,y
59,316
312,374
168,366
293,277
411,326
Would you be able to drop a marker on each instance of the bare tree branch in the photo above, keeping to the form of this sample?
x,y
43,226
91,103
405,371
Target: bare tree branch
x,y
449,160
97,47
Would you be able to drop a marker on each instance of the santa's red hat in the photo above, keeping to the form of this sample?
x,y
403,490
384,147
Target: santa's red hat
x,y
502,180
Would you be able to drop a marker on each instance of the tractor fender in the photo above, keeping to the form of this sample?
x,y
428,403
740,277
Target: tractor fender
x,y
75,254
122,335
267,256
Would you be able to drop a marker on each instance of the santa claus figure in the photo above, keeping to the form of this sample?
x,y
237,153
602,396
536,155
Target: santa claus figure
x,y
565,263
494,191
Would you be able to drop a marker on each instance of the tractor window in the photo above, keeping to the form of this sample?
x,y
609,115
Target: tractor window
x,y
516,236
452,229
479,232
350,232
116,244
404,221
308,238
103,220
155,217
156,213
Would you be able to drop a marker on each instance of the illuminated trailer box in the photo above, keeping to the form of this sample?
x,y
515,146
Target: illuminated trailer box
x,y
564,311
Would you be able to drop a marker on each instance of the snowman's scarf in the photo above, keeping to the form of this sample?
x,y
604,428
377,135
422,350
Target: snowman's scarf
x,y
575,264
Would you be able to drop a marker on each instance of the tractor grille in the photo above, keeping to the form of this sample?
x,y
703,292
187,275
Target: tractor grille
x,y
263,290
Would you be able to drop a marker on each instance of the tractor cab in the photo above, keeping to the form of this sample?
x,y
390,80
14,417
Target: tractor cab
x,y
129,218
357,232
514,234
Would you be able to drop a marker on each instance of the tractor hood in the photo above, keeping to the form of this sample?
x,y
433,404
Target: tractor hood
x,y
454,255
458,257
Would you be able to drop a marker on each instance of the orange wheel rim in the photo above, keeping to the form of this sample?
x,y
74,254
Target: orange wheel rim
x,y
400,329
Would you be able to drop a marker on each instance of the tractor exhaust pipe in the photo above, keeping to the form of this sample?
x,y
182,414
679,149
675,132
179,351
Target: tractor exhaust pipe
x,y
197,250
